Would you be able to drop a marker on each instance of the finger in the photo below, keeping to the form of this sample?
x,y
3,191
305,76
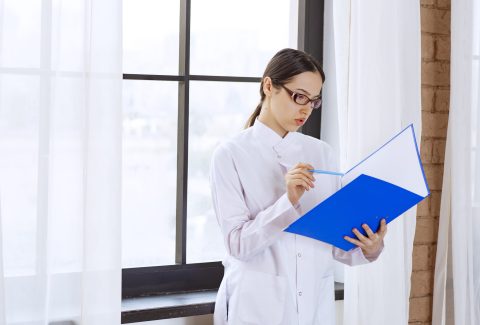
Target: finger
x,y
299,169
301,182
299,165
360,235
304,178
303,165
308,174
383,228
354,241
369,231
308,166
302,171
294,171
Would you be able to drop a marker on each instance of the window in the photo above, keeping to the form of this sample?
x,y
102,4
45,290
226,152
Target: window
x,y
191,76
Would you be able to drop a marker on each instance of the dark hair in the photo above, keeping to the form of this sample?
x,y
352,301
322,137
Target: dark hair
x,y
284,65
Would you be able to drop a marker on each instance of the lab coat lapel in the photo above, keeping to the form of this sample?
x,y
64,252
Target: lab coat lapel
x,y
287,149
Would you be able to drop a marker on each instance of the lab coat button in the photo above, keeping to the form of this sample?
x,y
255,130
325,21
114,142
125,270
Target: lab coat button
x,y
300,293
299,254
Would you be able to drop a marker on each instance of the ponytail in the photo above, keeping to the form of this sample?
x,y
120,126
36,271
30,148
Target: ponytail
x,y
253,117
258,109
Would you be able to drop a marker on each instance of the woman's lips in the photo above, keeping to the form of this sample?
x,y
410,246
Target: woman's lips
x,y
299,122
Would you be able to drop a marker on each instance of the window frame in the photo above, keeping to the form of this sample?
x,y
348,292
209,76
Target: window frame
x,y
183,277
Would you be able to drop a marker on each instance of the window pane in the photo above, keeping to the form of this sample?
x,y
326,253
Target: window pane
x,y
19,118
149,172
20,33
150,36
212,120
241,36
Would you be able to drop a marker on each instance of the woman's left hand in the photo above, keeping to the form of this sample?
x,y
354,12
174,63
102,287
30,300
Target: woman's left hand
x,y
370,245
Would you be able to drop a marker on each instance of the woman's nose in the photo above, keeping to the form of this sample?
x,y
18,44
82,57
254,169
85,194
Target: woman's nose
x,y
306,109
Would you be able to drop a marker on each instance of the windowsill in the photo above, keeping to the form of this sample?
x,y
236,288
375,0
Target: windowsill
x,y
144,309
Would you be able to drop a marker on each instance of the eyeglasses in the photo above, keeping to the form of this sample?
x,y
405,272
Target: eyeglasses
x,y
302,99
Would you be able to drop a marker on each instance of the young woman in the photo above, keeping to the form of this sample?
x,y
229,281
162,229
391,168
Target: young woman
x,y
260,184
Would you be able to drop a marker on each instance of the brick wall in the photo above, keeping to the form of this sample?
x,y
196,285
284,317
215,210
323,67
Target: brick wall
x,y
435,28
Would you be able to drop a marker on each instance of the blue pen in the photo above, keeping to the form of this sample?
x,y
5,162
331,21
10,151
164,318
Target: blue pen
x,y
319,171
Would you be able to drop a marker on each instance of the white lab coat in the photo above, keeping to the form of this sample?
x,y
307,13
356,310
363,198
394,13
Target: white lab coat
x,y
272,277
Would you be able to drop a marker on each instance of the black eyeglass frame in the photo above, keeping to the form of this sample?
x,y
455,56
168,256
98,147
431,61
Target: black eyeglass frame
x,y
295,97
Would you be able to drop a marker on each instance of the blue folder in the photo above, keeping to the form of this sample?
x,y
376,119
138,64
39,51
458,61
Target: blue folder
x,y
368,199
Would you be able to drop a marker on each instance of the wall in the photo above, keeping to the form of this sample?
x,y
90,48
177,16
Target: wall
x,y
435,28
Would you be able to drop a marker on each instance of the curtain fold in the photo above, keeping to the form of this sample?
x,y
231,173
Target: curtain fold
x,y
372,63
456,296
60,161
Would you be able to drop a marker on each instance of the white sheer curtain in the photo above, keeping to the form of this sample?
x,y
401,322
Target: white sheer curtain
x,y
60,167
456,297
372,63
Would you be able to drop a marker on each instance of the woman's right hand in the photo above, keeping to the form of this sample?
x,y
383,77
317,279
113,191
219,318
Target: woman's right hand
x,y
298,179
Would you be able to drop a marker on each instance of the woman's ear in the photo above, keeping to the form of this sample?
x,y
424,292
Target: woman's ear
x,y
267,86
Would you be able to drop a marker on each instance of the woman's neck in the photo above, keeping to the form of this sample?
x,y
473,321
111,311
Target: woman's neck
x,y
270,121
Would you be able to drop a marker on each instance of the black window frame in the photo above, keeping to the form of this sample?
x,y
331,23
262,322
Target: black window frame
x,y
183,277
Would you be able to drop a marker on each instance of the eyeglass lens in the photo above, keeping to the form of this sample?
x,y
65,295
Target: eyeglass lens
x,y
302,100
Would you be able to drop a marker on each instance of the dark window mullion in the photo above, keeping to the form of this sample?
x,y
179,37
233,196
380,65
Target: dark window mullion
x,y
182,146
182,78
130,76
224,78
310,40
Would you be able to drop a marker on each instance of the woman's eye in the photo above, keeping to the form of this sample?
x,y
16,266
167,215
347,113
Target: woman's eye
x,y
301,98
317,103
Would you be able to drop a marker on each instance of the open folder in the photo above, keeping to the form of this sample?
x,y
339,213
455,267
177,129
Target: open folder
x,y
384,185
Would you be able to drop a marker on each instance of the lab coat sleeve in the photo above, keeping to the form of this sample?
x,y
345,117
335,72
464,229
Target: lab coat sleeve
x,y
245,235
354,256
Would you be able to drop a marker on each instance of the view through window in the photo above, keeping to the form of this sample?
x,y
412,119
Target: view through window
x,y
229,40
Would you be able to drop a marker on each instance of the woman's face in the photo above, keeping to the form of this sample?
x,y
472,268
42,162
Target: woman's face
x,y
280,112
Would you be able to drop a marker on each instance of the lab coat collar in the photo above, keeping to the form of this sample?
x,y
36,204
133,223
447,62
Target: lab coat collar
x,y
271,138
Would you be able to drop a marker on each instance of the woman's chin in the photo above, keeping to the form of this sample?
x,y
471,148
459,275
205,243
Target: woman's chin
x,y
289,127
292,128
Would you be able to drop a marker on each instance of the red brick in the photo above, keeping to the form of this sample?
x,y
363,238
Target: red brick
x,y
436,73
422,283
435,200
427,3
434,175
428,99
438,153
428,46
426,150
423,208
442,47
443,4
421,257
432,256
436,21
442,100
421,309
426,231
434,125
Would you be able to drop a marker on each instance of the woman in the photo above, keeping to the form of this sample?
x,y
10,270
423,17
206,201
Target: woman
x,y
261,184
